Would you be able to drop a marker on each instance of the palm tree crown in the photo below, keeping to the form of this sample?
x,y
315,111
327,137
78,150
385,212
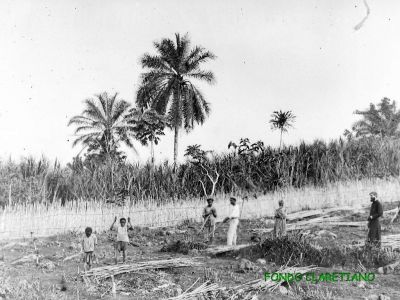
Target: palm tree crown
x,y
382,120
282,120
167,85
103,123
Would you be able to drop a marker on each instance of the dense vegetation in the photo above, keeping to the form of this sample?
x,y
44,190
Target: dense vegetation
x,y
168,97
248,166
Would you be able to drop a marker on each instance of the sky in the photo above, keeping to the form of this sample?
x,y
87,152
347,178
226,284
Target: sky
x,y
303,56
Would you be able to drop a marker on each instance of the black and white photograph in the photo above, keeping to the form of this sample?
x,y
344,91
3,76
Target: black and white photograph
x,y
200,150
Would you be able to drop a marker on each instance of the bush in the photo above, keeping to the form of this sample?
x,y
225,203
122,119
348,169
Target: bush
x,y
295,250
372,257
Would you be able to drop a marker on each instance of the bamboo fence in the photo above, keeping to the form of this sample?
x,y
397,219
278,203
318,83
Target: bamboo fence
x,y
41,219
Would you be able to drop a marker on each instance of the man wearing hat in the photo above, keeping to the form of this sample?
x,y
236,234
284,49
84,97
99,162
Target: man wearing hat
x,y
374,227
209,216
234,214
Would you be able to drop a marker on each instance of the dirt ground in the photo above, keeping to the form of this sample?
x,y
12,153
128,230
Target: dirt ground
x,y
43,279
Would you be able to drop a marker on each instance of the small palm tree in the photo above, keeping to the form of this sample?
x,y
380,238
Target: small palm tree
x,y
282,120
103,125
382,120
167,85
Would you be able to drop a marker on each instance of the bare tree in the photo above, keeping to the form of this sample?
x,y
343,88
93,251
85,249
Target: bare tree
x,y
199,159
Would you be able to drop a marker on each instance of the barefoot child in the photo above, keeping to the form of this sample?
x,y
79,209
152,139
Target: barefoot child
x,y
280,221
209,216
122,240
89,242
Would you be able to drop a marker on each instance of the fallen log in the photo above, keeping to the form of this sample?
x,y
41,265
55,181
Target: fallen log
x,y
315,220
72,256
27,258
224,248
14,244
391,211
7,246
307,224
324,212
317,212
320,220
345,224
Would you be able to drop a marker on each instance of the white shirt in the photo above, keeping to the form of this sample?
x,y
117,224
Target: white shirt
x,y
88,243
122,233
234,211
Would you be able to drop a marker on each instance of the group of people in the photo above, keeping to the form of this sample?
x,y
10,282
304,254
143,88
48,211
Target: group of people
x,y
89,240
210,215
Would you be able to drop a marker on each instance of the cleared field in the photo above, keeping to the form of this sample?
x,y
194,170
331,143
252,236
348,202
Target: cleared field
x,y
51,268
22,221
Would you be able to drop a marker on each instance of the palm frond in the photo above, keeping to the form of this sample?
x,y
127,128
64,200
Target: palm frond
x,y
207,76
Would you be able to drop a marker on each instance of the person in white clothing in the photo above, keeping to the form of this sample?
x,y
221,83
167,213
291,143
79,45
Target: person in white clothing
x,y
88,244
122,239
234,214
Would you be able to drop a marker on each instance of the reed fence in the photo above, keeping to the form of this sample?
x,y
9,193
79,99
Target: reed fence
x,y
41,219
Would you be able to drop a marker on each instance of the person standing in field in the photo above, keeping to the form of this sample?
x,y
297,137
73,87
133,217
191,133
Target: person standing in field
x,y
89,242
209,216
234,214
122,240
374,226
280,221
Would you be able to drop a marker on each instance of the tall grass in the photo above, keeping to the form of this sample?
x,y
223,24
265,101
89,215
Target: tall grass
x,y
44,219
43,198
262,170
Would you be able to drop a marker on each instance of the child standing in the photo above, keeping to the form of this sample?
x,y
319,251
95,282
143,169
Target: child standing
x,y
209,216
280,221
89,242
122,239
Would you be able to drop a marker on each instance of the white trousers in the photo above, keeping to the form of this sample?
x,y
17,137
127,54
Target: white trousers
x,y
232,236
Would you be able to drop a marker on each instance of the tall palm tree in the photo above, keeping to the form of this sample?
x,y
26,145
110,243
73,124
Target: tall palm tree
x,y
167,85
147,126
382,120
103,125
282,120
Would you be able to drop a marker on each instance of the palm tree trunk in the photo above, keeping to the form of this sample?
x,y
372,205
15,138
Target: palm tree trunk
x,y
152,151
177,112
280,142
111,169
176,145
